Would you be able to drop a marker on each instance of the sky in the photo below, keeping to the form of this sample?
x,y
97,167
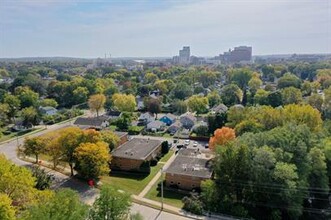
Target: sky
x,y
159,28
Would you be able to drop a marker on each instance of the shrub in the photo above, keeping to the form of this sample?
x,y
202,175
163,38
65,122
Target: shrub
x,y
193,203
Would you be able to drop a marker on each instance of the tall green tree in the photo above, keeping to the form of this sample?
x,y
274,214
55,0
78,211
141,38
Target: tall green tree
x,y
65,204
111,205
34,146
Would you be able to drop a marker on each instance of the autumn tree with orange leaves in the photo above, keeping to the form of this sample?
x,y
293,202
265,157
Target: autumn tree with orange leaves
x,y
221,136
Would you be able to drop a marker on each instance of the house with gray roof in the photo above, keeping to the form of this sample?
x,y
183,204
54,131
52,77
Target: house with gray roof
x,y
155,126
188,120
97,123
221,108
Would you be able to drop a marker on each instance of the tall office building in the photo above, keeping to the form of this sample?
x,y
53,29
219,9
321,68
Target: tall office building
x,y
241,54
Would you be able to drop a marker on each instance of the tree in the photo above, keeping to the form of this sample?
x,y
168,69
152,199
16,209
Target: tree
x,y
14,104
164,147
214,98
222,136
123,102
303,114
207,78
150,77
43,179
26,96
154,106
34,146
111,205
215,121
327,103
193,203
275,99
110,138
92,159
49,102
17,183
254,84
316,101
7,211
29,116
4,73
164,86
291,95
231,94
96,103
179,106
69,139
306,88
182,91
65,204
4,112
261,97
80,95
318,178
198,104
288,80
241,77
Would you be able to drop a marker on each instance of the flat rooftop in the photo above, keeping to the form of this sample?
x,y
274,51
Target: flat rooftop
x,y
137,148
191,162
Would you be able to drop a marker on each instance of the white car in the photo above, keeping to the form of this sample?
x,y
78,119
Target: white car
x,y
187,142
195,144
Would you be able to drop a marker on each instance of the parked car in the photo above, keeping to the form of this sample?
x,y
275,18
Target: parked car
x,y
207,146
187,142
195,144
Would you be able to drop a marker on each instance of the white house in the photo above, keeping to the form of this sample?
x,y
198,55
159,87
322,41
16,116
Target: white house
x,y
156,126
146,118
48,110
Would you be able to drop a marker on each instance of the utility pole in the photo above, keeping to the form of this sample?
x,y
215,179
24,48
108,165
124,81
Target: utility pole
x,y
161,169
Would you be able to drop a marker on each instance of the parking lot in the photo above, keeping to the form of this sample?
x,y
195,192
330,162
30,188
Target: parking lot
x,y
179,143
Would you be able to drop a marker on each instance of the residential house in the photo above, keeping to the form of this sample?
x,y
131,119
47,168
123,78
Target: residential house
x,y
97,123
136,155
168,119
189,169
145,118
174,127
114,114
221,108
156,126
48,110
188,120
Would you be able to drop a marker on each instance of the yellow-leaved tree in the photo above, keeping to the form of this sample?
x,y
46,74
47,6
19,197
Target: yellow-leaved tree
x,y
96,103
123,102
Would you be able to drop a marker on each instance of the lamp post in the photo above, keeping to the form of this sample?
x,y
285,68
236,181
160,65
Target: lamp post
x,y
161,169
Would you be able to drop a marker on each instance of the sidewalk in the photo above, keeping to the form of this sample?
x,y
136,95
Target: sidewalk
x,y
156,177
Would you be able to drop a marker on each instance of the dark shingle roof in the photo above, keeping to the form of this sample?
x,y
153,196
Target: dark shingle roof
x,y
137,148
114,113
96,121
191,162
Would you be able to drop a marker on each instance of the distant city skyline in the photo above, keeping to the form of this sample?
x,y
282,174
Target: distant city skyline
x,y
158,28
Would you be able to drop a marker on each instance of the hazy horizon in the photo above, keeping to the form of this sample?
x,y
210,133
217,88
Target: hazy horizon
x,y
84,29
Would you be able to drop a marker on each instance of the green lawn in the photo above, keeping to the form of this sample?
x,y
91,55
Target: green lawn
x,y
19,134
169,197
134,183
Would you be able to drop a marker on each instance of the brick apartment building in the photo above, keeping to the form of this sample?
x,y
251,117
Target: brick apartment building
x,y
135,155
189,169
